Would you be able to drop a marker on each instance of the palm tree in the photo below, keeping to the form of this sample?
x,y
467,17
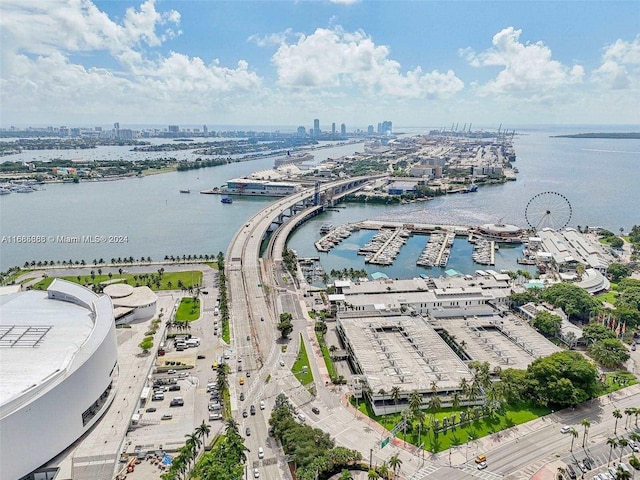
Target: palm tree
x,y
612,442
628,412
415,401
616,413
395,395
623,442
622,474
586,424
203,430
574,435
395,463
383,470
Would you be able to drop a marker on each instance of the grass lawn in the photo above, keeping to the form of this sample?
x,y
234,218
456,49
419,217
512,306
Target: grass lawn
x,y
511,416
614,381
12,278
302,361
609,297
188,310
327,355
169,280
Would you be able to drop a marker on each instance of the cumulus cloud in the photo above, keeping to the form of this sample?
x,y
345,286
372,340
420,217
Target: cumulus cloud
x,y
527,67
620,67
333,58
38,74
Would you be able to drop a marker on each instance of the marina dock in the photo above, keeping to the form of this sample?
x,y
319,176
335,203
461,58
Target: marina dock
x,y
385,246
437,250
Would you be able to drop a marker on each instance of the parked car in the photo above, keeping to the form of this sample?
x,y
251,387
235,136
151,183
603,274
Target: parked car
x,y
242,396
245,414
171,372
150,409
316,410
247,432
253,410
201,357
167,416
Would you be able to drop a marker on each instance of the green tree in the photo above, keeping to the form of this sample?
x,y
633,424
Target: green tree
x,y
618,271
395,462
146,344
586,424
609,352
617,415
574,434
595,332
548,323
562,379
612,442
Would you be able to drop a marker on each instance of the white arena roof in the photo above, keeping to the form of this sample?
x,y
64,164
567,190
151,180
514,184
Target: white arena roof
x,y
39,337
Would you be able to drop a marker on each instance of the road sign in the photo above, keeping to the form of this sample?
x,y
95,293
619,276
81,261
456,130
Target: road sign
x,y
385,442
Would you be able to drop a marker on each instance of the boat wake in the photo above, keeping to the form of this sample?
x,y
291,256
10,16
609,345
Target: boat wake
x,y
606,151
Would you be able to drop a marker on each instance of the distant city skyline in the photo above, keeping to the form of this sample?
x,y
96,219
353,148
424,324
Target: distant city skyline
x,y
422,63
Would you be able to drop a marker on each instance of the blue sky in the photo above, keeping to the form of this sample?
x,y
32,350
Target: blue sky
x,y
421,63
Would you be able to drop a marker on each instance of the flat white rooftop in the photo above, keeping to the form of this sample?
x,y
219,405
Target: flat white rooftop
x,y
39,337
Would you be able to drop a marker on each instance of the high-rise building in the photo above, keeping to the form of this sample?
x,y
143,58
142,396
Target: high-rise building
x,y
343,129
333,128
385,128
316,127
116,126
302,132
370,130
205,131
174,129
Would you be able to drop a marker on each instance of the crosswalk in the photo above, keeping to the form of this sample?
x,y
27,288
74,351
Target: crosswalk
x,y
424,472
483,474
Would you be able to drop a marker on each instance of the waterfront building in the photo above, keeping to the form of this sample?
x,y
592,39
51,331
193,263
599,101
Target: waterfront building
x,y
245,186
343,129
59,372
174,129
333,128
316,127
302,132
131,303
569,247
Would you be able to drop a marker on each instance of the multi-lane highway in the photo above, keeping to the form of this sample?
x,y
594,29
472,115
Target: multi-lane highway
x,y
254,314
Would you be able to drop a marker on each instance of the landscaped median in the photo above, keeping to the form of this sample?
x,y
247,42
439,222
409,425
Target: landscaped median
x,y
301,368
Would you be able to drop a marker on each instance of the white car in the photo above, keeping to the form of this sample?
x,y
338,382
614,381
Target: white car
x,y
256,473
482,465
565,429
260,453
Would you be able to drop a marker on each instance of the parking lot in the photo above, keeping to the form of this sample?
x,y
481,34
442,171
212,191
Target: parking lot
x,y
179,382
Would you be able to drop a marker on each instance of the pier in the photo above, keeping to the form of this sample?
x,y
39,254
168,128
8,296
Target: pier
x,y
385,246
437,250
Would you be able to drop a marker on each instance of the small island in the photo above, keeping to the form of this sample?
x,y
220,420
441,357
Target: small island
x,y
613,135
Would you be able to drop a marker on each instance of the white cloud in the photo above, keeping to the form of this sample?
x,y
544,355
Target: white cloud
x,y
38,75
528,67
35,27
344,2
333,58
620,68
270,39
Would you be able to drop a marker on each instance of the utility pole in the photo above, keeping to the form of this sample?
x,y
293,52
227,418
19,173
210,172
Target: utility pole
x,y
370,458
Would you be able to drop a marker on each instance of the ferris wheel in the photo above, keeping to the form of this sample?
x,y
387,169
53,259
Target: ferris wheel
x,y
548,210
